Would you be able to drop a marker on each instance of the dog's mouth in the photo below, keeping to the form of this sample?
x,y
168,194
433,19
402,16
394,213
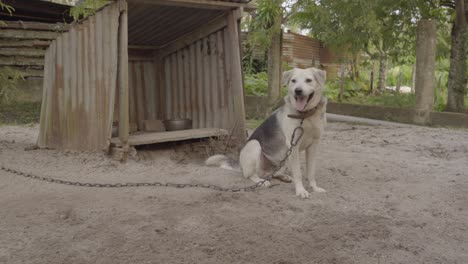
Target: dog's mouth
x,y
302,101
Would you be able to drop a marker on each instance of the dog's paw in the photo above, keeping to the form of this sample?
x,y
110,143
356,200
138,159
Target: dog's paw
x,y
318,189
266,184
302,193
283,178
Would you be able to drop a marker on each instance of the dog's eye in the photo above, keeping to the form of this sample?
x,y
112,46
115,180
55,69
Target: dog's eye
x,y
308,80
293,80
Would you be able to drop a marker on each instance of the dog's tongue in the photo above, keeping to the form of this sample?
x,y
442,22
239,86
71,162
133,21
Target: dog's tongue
x,y
301,103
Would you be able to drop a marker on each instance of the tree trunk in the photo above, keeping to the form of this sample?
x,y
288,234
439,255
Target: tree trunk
x,y
425,70
398,86
274,66
457,73
342,79
382,73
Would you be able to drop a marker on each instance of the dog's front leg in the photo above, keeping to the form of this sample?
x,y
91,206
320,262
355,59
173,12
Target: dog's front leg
x,y
311,157
295,167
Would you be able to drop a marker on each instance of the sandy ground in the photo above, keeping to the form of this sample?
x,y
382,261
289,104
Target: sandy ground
x,y
395,195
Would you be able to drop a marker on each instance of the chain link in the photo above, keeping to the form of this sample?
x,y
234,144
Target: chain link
x,y
294,141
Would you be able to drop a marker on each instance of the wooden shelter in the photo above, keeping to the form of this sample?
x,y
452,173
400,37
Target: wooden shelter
x,y
140,60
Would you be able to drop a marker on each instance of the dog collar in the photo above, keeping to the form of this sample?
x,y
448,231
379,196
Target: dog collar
x,y
305,114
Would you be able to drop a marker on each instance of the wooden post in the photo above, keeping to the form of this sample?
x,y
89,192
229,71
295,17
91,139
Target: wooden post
x,y
236,83
425,70
371,90
123,76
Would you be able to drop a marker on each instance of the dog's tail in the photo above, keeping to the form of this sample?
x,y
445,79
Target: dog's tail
x,y
223,162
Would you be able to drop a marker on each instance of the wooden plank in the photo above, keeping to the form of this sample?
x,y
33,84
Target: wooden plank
x,y
182,113
216,111
27,34
205,4
22,52
221,80
58,27
145,138
236,75
227,81
206,88
140,100
21,61
200,86
132,93
193,86
124,122
167,88
187,87
24,43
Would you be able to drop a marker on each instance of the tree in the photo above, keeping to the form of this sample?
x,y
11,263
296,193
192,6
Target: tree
x,y
381,28
458,56
265,32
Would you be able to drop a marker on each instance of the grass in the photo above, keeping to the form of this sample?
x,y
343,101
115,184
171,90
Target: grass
x,y
253,123
20,112
386,99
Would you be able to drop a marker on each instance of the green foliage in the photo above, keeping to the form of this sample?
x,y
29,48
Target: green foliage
x,y
351,88
20,112
9,78
86,8
256,84
253,123
6,7
394,73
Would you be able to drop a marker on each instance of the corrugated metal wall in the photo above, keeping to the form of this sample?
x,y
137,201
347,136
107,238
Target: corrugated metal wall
x,y
196,83
80,84
145,96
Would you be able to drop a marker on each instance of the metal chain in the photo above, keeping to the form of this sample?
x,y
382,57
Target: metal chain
x,y
294,141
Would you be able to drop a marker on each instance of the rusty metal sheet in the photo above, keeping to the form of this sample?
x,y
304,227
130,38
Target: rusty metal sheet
x,y
80,84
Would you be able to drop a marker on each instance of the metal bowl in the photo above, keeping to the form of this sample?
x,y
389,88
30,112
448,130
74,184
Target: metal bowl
x,y
177,124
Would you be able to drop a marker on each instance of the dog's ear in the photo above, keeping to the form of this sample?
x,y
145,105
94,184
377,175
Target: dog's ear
x,y
319,75
287,76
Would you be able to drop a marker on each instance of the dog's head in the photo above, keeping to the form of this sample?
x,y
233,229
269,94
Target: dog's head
x,y
305,87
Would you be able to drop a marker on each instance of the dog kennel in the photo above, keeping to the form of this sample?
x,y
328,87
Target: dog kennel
x,y
136,61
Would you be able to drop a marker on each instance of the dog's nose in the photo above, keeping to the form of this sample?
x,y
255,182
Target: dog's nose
x,y
298,91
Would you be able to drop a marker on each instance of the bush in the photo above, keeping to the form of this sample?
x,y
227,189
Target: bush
x,y
256,84
9,78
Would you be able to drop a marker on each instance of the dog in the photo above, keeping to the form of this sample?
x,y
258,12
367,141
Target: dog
x,y
269,143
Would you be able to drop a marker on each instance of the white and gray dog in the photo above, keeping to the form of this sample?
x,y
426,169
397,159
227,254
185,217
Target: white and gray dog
x,y
268,144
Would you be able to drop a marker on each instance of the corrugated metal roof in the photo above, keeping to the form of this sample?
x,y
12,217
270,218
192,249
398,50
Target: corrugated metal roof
x,y
156,25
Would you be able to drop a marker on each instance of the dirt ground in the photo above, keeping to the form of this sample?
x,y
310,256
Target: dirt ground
x,y
395,195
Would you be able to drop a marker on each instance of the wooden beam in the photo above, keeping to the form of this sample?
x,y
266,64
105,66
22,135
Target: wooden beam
x,y
203,4
211,27
170,136
236,83
21,61
58,27
124,121
26,52
27,34
24,43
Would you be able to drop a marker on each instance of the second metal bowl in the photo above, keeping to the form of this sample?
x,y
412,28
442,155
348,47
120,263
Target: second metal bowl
x,y
177,124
